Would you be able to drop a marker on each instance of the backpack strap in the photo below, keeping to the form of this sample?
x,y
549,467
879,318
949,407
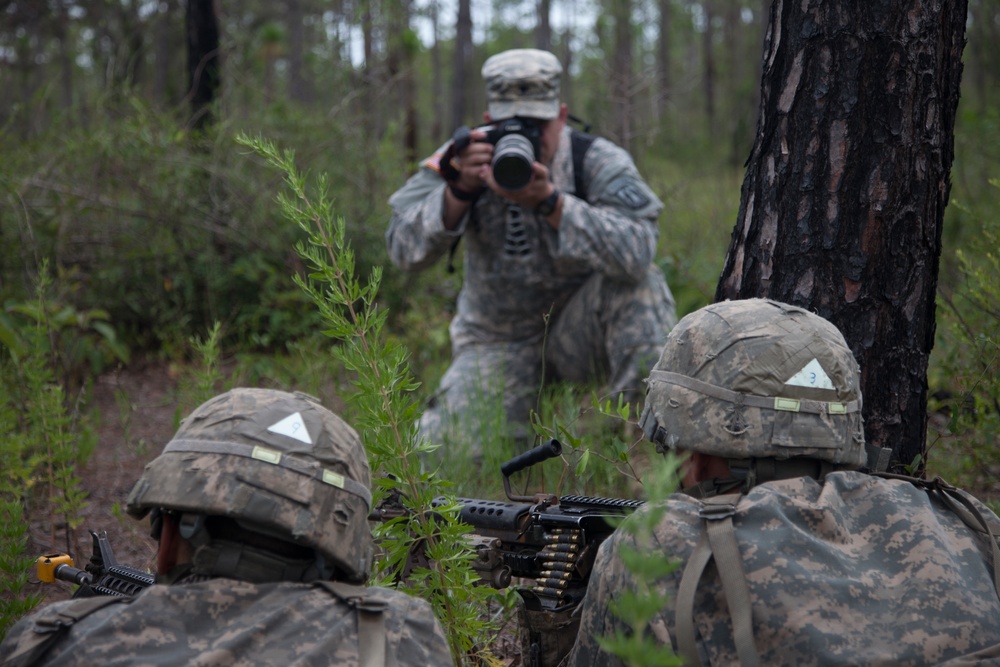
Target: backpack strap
x,y
718,542
580,143
51,625
373,641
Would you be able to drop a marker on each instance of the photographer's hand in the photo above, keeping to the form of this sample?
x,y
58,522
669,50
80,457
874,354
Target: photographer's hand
x,y
473,163
538,189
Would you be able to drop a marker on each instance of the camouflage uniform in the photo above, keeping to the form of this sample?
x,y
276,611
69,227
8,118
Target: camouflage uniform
x,y
270,492
231,622
798,559
587,297
854,570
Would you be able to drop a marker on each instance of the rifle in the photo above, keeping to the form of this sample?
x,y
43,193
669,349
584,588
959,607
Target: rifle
x,y
548,542
103,575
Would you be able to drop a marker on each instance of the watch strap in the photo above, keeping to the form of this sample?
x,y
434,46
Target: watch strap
x,y
548,205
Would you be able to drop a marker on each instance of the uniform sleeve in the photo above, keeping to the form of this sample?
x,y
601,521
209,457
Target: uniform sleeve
x,y
417,237
615,230
422,642
596,619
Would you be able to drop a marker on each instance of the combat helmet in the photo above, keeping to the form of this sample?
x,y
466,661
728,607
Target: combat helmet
x,y
757,380
277,465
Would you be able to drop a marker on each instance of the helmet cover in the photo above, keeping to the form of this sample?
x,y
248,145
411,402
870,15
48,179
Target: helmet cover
x,y
278,463
756,378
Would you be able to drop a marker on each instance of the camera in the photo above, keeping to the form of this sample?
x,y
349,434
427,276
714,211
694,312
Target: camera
x,y
516,143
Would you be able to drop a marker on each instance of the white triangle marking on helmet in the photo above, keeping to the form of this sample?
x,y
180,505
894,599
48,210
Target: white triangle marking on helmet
x,y
811,375
294,427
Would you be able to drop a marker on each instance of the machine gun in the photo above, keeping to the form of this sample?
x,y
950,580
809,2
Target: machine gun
x,y
546,543
103,575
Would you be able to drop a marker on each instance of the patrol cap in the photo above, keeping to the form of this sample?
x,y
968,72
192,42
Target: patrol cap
x,y
756,378
522,82
278,463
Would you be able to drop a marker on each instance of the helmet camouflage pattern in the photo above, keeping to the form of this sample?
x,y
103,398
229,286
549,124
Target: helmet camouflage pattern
x,y
756,379
279,464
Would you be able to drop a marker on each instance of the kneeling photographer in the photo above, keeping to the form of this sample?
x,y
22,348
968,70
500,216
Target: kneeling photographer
x,y
560,240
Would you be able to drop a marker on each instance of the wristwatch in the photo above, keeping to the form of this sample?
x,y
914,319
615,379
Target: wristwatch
x,y
548,205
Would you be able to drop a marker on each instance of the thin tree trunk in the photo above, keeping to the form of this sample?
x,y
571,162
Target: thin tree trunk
x,y
566,84
843,202
299,89
163,62
65,60
543,29
463,56
621,93
663,59
437,82
203,60
708,53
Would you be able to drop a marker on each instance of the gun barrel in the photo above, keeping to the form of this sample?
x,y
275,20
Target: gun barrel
x,y
542,452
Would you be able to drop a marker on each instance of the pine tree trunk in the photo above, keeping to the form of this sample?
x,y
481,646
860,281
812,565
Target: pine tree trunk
x,y
843,201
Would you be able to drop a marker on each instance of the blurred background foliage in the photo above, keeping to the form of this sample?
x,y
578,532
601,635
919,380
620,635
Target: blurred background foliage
x,y
155,227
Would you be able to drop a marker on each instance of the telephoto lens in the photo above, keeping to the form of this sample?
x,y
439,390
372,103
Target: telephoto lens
x,y
513,158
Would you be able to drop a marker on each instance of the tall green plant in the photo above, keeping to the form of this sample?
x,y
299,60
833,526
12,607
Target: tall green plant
x,y
56,440
202,381
15,565
42,445
386,416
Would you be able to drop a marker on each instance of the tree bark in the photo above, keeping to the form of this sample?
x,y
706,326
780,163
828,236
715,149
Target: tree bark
x,y
843,201
203,60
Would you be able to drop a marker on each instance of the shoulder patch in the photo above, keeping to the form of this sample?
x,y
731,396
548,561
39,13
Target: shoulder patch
x,y
629,193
